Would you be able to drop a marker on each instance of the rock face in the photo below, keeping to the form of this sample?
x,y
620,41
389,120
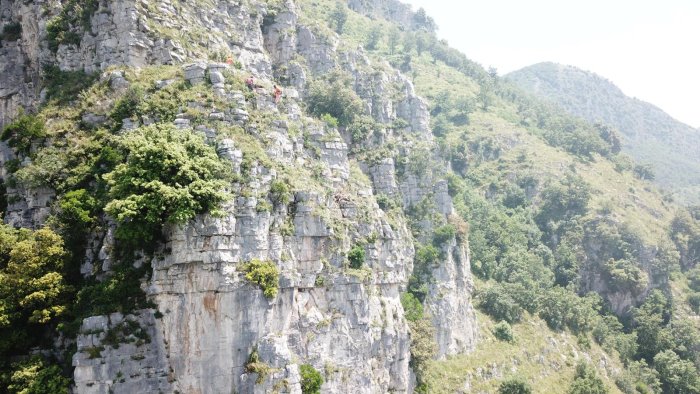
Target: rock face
x,y
212,330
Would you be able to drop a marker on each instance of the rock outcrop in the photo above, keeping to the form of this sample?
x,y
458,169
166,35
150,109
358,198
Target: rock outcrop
x,y
212,330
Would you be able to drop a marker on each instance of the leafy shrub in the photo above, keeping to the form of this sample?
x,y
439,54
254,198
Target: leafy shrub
x,y
265,274
22,132
514,386
311,379
333,96
119,292
427,256
356,257
329,120
443,234
586,381
126,107
386,203
64,28
375,34
64,86
413,309
11,32
32,289
694,302
676,375
361,128
280,193
256,366
503,332
499,304
36,376
169,176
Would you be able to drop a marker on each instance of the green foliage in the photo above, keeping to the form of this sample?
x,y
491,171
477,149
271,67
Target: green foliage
x,y
413,309
685,233
375,34
254,365
11,32
694,302
586,381
514,386
126,107
64,29
311,379
638,378
169,176
361,128
356,256
280,193
676,375
649,320
561,308
23,131
36,376
33,292
499,304
443,234
423,346
334,96
503,332
644,172
118,292
339,16
265,274
64,86
329,120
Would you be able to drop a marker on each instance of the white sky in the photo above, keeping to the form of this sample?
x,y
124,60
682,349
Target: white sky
x,y
648,48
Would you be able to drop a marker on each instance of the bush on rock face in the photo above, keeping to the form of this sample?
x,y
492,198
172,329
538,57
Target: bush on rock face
x,y
311,379
169,176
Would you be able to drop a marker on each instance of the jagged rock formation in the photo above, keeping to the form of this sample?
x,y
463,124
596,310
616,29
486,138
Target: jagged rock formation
x,y
208,319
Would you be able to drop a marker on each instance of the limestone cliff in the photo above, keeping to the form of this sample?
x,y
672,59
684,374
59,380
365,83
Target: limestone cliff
x,y
208,320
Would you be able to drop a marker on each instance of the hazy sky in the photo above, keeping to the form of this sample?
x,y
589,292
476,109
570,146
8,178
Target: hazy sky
x,y
648,48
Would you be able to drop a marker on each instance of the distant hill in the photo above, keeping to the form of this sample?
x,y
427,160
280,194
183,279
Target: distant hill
x,y
650,135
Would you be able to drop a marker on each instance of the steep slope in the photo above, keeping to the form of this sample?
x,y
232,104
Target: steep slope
x,y
299,275
206,236
650,135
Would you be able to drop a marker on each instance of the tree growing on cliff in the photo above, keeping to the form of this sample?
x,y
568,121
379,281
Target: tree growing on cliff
x,y
339,16
169,176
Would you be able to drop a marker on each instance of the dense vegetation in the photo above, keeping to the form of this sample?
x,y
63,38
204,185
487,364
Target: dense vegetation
x,y
661,144
556,243
141,180
561,225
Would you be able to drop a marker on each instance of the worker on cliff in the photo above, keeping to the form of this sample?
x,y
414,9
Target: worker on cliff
x,y
250,83
277,92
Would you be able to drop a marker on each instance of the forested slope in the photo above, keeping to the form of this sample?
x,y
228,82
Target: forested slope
x,y
652,137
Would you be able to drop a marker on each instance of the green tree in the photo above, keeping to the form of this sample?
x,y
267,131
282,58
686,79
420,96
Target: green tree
x,y
33,292
36,376
339,16
677,376
393,38
311,379
23,131
356,257
514,386
413,309
333,95
169,176
586,381
375,34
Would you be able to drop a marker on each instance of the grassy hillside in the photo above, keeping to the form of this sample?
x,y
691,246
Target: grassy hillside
x,y
572,245
650,135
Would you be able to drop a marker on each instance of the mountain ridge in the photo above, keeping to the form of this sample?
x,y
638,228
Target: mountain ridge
x,y
650,135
